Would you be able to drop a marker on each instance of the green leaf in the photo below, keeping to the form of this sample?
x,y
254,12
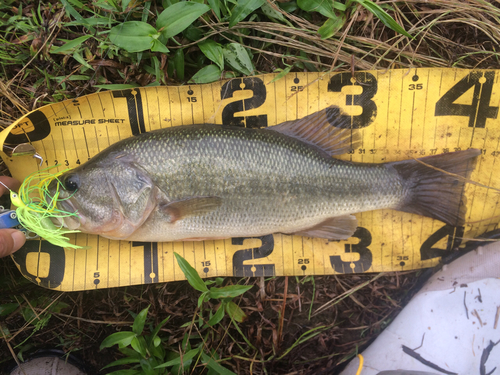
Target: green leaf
x,y
121,338
213,365
58,306
7,308
126,372
101,21
104,5
234,311
118,86
210,73
178,61
289,7
139,321
217,317
156,341
178,17
159,47
81,60
71,45
129,352
76,15
386,19
201,298
281,74
177,361
191,274
330,27
339,6
74,77
215,5
229,291
122,361
133,36
270,12
147,366
125,4
157,351
193,33
303,338
213,51
138,343
237,56
325,7
158,327
242,9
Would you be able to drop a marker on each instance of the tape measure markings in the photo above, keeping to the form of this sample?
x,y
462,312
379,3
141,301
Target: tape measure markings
x,y
369,94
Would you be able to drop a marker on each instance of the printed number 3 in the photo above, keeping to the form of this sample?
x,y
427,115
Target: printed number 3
x,y
369,85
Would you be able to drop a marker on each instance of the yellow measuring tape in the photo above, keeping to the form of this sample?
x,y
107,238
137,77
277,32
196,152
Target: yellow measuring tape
x,y
401,113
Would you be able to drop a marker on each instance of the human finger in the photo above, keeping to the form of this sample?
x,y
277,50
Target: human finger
x,y
11,240
10,182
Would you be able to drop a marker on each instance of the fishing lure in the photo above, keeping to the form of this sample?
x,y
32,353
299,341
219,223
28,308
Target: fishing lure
x,y
36,206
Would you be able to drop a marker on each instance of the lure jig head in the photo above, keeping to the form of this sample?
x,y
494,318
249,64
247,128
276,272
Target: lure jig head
x,y
36,207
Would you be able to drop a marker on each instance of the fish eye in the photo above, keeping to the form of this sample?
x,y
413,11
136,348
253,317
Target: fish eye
x,y
71,182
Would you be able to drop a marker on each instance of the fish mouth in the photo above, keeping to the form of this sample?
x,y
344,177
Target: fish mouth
x,y
71,220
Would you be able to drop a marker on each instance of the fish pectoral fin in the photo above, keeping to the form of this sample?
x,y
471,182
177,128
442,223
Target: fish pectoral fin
x,y
335,228
195,206
326,129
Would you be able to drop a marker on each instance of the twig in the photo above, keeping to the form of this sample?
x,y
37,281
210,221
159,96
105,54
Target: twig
x,y
484,358
496,317
465,304
11,350
422,343
419,358
475,313
282,317
345,294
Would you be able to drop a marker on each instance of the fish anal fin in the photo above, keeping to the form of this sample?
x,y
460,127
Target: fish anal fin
x,y
326,129
194,206
335,228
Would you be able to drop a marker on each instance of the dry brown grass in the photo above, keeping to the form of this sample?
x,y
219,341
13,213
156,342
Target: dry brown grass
x,y
448,33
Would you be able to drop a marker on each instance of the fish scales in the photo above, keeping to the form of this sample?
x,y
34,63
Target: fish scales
x,y
211,181
266,181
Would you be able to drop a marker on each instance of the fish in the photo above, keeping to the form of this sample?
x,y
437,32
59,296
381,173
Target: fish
x,y
207,182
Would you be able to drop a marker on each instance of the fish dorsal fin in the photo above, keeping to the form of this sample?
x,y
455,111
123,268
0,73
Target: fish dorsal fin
x,y
326,129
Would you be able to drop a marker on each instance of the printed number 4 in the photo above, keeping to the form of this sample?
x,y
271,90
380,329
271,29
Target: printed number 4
x,y
479,110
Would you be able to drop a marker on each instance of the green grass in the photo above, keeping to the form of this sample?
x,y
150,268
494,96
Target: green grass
x,y
54,50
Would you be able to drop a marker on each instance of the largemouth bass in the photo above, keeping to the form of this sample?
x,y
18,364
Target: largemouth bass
x,y
211,182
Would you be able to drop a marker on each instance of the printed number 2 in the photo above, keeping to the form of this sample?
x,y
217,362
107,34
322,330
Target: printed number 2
x,y
259,97
479,110
243,270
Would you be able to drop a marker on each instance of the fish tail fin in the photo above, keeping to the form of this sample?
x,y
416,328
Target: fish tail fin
x,y
436,184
